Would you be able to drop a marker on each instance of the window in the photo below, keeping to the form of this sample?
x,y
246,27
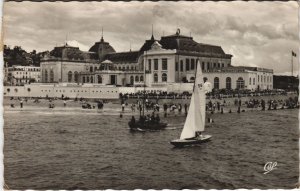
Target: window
x,y
264,79
164,64
83,79
132,68
207,66
155,64
46,76
187,64
149,64
240,83
155,77
181,65
253,81
76,77
176,66
127,68
192,64
69,76
222,65
136,78
141,78
51,76
258,78
91,69
215,65
216,83
249,81
219,65
87,79
202,65
92,79
99,79
164,77
228,83
131,80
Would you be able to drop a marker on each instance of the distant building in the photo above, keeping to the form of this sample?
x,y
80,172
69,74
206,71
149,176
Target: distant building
x,y
172,59
286,82
20,75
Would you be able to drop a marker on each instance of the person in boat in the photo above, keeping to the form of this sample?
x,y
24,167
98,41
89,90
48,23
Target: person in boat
x,y
152,117
157,119
132,121
198,134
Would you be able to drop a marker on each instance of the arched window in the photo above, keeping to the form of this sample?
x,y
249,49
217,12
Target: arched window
x,y
123,68
46,76
141,78
131,80
164,77
228,83
69,76
240,83
136,78
99,79
249,81
92,79
83,79
204,79
127,68
216,83
155,77
202,66
51,76
76,77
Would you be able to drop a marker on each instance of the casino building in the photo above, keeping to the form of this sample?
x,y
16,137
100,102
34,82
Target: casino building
x,y
170,60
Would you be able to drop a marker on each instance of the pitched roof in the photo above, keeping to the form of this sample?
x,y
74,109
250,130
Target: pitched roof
x,y
184,44
131,56
71,53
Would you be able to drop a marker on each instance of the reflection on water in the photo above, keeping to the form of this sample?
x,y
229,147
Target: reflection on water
x,y
91,150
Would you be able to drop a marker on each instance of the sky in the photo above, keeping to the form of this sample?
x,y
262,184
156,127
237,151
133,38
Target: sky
x,y
261,34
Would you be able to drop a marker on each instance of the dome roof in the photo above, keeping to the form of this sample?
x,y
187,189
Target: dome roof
x,y
102,48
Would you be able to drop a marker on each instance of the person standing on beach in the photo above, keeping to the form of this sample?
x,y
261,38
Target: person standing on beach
x,y
179,108
21,103
65,103
123,107
185,108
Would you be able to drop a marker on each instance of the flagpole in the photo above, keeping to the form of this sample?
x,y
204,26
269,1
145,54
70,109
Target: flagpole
x,y
292,63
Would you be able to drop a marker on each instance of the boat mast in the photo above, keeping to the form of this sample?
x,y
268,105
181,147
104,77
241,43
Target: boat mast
x,y
195,74
144,82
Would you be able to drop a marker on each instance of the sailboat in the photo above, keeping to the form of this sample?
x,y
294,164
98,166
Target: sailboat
x,y
195,121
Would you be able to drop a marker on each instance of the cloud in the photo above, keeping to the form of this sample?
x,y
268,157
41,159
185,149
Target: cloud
x,y
256,33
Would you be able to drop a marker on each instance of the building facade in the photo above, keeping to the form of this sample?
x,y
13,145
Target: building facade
x,y
170,60
20,75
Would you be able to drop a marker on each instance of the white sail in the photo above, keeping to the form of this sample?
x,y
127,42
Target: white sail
x,y
195,120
